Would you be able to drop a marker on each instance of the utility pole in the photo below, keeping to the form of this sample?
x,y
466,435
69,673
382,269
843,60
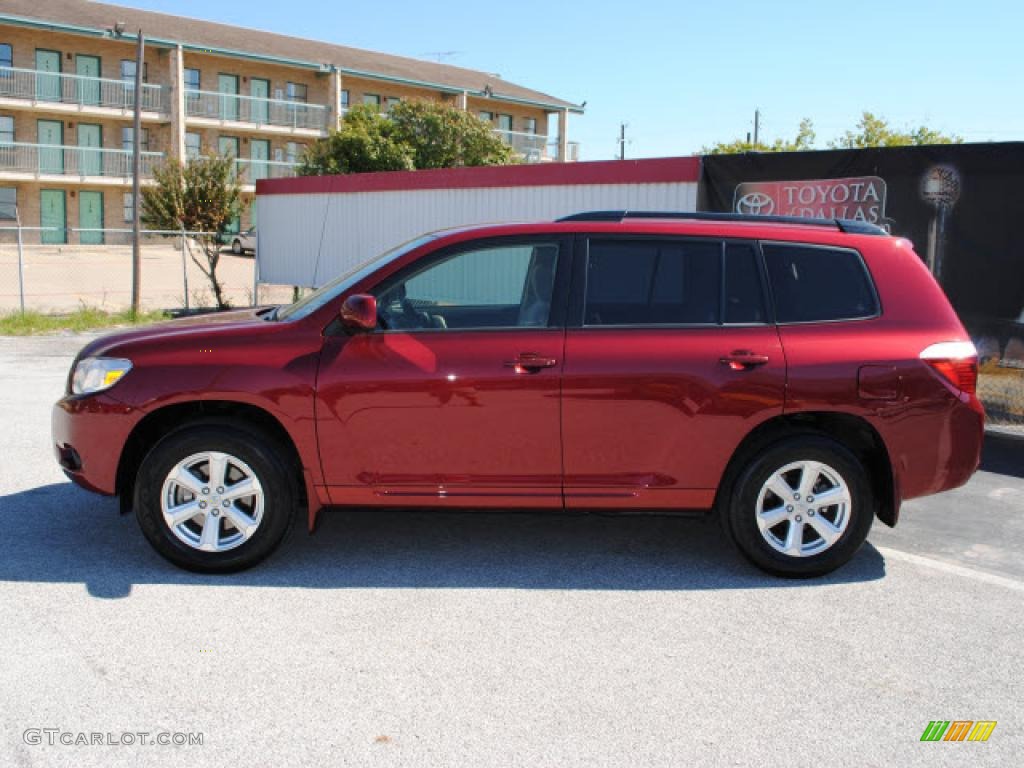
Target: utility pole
x,y
136,173
622,141
757,126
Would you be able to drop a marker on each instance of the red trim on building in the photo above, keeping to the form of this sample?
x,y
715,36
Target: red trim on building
x,y
661,170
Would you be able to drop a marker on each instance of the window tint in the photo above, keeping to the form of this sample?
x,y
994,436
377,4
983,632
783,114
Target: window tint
x,y
744,300
504,286
651,282
813,284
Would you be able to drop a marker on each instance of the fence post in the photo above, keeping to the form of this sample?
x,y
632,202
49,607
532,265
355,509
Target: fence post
x,y
184,264
21,265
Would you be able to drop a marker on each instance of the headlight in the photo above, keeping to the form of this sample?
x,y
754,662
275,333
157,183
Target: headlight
x,y
95,374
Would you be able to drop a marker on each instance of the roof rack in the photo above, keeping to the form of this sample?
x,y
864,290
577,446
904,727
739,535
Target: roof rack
x,y
843,225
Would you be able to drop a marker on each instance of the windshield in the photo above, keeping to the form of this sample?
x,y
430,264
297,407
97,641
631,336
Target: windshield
x,y
309,304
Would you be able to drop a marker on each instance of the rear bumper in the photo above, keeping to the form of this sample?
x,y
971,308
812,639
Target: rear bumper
x,y
89,434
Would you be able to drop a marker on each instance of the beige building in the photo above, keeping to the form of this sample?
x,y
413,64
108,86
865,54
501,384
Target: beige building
x,y
67,99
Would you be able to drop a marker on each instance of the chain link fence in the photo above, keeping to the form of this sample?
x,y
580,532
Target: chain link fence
x,y
94,269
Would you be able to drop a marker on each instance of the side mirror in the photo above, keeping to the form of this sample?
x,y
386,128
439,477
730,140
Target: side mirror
x,y
359,312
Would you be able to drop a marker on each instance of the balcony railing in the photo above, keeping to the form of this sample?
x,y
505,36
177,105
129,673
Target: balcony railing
x,y
51,159
249,109
250,171
59,88
536,148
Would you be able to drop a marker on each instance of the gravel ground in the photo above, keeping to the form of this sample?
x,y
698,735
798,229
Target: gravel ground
x,y
486,639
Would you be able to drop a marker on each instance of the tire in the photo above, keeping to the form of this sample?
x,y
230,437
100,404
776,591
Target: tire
x,y
244,528
236,247
786,535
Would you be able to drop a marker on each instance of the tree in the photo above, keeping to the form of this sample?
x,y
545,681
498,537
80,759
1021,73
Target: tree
x,y
804,140
417,134
874,131
202,195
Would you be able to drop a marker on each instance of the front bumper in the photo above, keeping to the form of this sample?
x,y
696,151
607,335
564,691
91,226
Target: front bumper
x,y
89,434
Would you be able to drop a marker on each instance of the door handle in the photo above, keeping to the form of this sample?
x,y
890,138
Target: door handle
x,y
530,362
743,360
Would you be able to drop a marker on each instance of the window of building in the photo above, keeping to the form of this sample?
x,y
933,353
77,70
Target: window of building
x,y
392,102
297,92
653,283
193,145
193,79
8,203
127,134
6,129
372,99
128,203
344,100
530,125
6,55
504,122
501,286
816,284
128,71
487,117
293,151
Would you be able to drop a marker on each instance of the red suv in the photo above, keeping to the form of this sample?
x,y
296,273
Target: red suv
x,y
797,377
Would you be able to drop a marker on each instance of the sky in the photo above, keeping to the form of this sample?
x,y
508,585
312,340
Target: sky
x,y
684,75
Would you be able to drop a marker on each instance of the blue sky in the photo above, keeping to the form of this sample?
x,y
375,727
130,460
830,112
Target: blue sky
x,y
685,74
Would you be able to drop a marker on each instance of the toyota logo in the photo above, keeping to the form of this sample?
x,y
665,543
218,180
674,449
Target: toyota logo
x,y
755,204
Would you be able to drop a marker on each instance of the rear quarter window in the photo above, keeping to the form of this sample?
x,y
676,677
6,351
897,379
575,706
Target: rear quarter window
x,y
814,284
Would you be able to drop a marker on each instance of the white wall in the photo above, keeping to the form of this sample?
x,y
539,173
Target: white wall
x,y
355,227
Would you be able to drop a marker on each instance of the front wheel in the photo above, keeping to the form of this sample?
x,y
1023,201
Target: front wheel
x,y
803,507
215,498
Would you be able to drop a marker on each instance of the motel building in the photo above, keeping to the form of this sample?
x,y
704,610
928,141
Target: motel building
x,y
67,98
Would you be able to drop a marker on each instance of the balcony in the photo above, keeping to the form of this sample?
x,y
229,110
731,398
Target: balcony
x,y
38,160
250,171
64,92
262,113
537,148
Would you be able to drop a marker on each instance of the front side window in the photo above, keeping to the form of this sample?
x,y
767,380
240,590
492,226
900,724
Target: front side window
x,y
648,282
6,55
8,203
812,284
297,92
498,286
193,79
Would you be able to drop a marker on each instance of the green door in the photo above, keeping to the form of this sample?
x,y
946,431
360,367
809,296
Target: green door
x,y
88,70
47,75
51,151
228,87
259,152
260,91
90,217
52,217
90,160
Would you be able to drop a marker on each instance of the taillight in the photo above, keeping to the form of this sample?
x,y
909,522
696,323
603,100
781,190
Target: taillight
x,y
957,361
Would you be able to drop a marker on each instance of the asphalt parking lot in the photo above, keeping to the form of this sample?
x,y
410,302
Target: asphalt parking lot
x,y
498,639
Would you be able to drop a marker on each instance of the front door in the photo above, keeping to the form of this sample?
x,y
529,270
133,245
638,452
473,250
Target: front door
x,y
260,153
51,146
260,91
88,70
454,400
52,217
47,75
672,361
90,156
228,87
90,217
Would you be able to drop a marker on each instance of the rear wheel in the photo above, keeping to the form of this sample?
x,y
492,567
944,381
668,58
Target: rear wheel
x,y
802,507
214,497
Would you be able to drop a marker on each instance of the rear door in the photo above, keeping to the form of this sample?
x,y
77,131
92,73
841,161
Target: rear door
x,y
671,359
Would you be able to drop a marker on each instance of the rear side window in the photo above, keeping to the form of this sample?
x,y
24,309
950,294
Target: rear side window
x,y
653,283
812,284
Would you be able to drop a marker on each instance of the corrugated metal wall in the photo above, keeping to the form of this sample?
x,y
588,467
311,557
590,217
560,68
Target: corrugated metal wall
x,y
307,239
